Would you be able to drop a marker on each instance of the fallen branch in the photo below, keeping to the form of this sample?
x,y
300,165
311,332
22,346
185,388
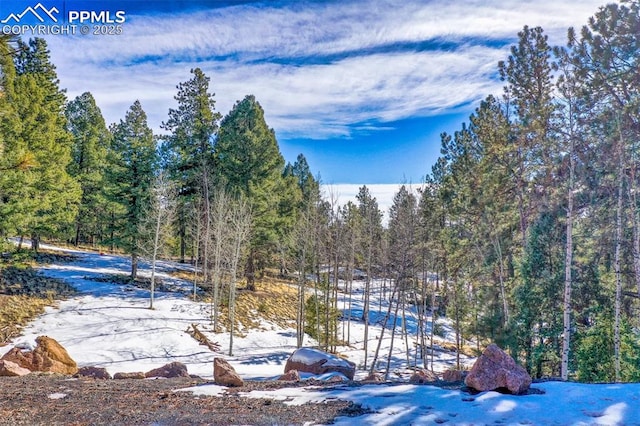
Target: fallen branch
x,y
200,337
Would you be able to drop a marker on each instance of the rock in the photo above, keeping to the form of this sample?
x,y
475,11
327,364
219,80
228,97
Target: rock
x,y
93,372
173,369
48,356
224,374
454,376
134,375
495,369
374,378
290,376
337,378
11,369
421,377
317,362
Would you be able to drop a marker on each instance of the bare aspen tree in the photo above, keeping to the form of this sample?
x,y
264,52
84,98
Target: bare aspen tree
x,y
219,212
568,86
156,228
240,220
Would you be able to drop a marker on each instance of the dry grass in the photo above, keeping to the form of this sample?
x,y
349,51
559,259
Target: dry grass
x,y
16,312
274,301
24,293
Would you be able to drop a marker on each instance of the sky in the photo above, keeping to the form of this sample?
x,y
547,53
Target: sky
x,y
362,88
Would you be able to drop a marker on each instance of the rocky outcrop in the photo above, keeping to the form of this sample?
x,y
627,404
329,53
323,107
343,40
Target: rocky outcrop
x,y
317,362
494,369
48,356
11,369
224,374
173,369
94,373
421,377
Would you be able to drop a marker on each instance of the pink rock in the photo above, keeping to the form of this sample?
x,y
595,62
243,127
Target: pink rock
x,y
290,376
374,378
11,369
94,372
495,369
421,377
173,369
454,376
224,374
317,362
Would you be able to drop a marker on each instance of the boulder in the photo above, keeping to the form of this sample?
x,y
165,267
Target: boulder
x,y
317,362
454,376
173,369
11,369
421,377
134,375
224,374
48,356
93,372
374,378
495,369
290,376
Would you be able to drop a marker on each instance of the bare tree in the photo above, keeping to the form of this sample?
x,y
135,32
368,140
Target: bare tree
x,y
239,225
156,228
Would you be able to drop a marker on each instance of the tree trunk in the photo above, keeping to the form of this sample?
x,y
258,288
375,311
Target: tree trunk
x,y
566,336
618,254
134,266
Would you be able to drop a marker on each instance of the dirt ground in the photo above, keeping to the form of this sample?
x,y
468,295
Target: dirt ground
x,y
31,400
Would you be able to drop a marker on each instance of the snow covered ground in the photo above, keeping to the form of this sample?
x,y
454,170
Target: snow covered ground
x,y
109,325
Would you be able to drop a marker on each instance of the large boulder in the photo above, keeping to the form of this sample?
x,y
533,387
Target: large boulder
x,y
224,374
494,369
173,369
48,356
11,369
317,362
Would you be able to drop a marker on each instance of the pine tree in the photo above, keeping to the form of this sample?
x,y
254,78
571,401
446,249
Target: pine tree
x,y
41,199
193,126
248,162
88,165
369,243
132,161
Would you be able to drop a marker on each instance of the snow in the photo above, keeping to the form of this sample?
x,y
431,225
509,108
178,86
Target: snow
x,y
561,404
109,325
309,356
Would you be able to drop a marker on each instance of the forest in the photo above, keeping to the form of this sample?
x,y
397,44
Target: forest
x,y
525,232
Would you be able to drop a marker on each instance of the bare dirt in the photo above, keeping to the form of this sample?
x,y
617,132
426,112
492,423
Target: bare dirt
x,y
38,399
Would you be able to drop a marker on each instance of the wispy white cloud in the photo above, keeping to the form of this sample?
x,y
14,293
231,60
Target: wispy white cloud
x,y
319,70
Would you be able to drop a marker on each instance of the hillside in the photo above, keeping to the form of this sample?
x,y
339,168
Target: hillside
x,y
109,325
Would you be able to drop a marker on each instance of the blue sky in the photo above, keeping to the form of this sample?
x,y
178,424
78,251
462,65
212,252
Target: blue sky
x,y
362,88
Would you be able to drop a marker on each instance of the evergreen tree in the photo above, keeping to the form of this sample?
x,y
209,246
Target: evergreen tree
x,y
369,250
193,126
248,162
88,165
41,199
132,161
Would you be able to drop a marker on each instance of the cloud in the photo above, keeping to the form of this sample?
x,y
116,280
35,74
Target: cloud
x,y
320,70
